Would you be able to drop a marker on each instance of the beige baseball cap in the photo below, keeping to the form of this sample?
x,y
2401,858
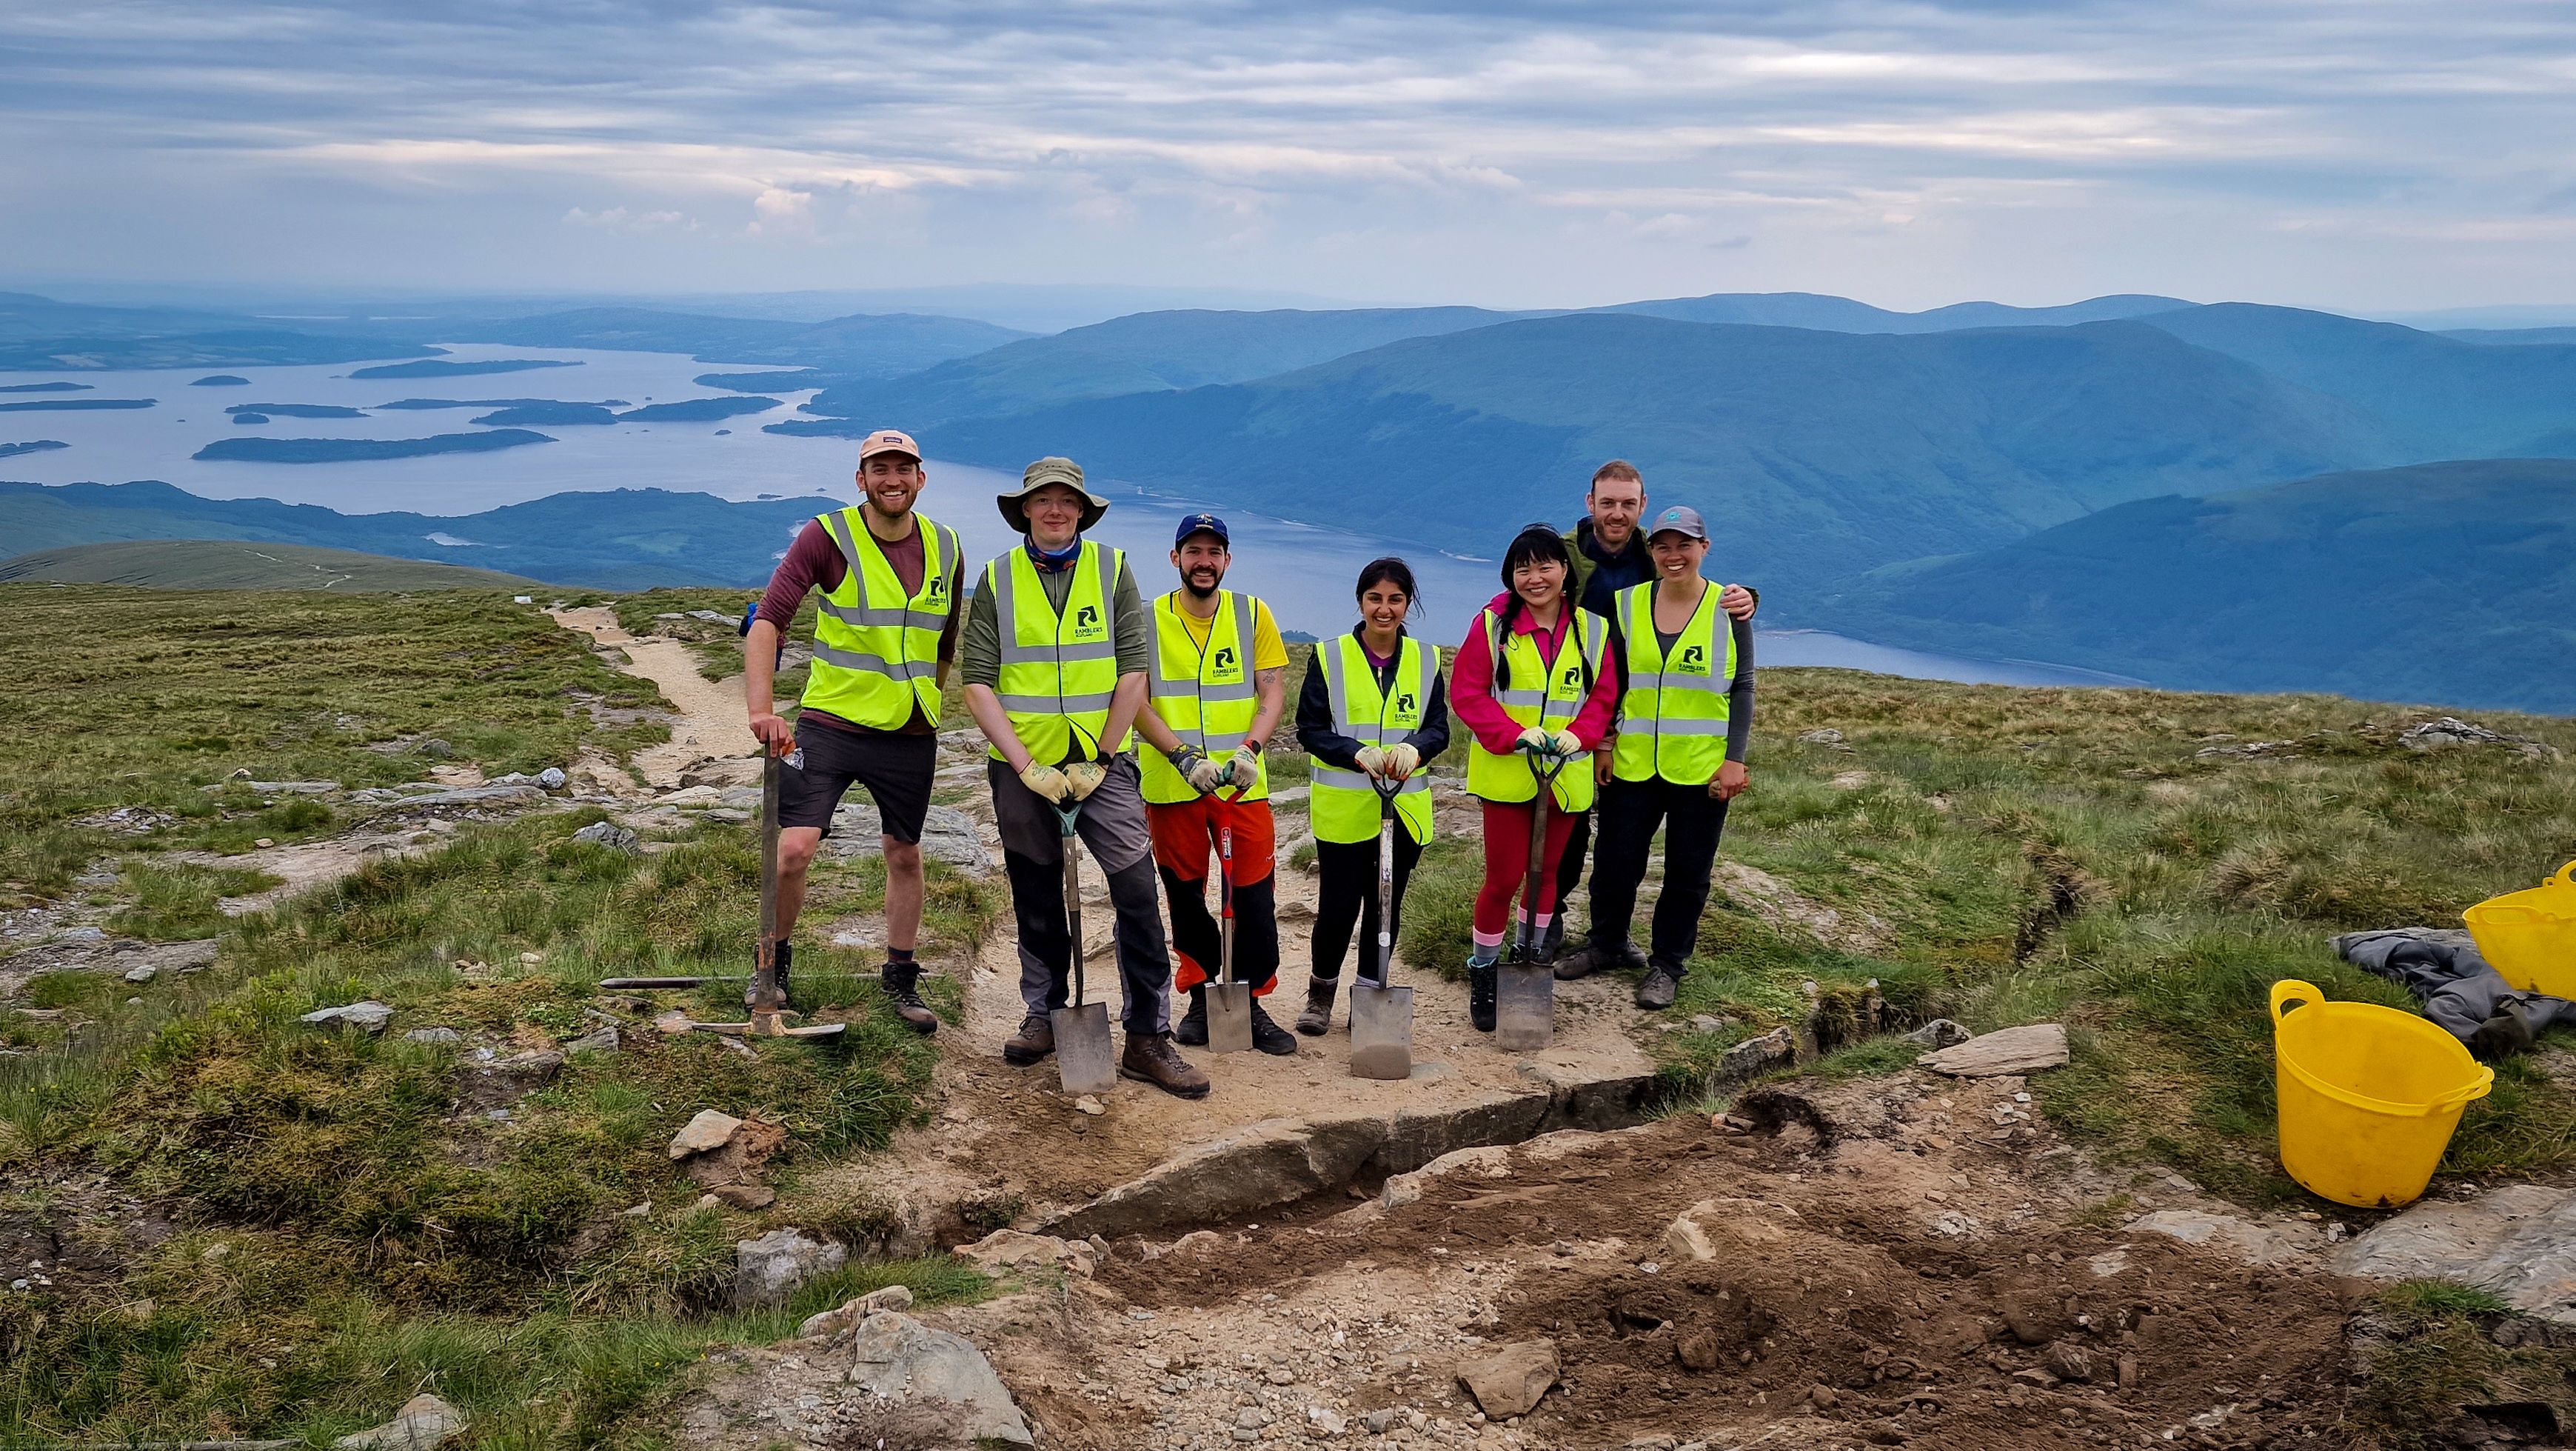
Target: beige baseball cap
x,y
888,440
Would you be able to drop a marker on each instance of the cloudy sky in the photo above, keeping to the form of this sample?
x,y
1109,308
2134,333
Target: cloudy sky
x,y
2359,154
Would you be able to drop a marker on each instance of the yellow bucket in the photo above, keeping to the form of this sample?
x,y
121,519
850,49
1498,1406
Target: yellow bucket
x,y
2369,1096
2530,935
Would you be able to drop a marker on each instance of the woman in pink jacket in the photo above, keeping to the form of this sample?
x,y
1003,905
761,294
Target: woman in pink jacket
x,y
1535,686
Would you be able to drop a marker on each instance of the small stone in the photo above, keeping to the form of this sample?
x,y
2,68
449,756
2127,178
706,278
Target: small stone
x,y
1089,1105
1825,737
433,1035
424,1423
745,1197
638,1211
705,1133
1280,1376
1325,1420
2128,1372
369,1017
1509,1380
769,1269
609,834
2068,1361
1822,1396
434,748
141,974
265,841
531,959
552,778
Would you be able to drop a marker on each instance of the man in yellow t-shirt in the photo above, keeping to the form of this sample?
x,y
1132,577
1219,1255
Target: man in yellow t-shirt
x,y
1219,686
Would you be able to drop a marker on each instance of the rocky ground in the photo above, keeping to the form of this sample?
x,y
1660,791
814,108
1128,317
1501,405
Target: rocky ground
x,y
1905,1261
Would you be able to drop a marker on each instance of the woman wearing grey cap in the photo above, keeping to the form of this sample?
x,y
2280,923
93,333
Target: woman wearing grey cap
x,y
1685,714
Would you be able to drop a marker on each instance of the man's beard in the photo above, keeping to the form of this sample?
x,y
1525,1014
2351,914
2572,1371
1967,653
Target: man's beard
x,y
1190,582
896,510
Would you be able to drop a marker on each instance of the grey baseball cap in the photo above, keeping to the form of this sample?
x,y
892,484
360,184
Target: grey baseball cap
x,y
1680,519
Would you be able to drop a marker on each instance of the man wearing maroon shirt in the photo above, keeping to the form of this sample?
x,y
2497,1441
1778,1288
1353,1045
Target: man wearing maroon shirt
x,y
884,639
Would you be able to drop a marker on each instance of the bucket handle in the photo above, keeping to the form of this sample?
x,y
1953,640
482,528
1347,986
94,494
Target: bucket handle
x,y
2564,878
2290,993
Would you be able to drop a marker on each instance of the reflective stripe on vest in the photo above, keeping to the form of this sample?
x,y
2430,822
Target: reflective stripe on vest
x,y
876,649
1672,713
1553,702
1205,696
1342,805
1058,668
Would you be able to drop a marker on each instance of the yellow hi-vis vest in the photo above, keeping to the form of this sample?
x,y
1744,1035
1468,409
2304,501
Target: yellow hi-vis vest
x,y
1204,696
1672,710
1342,805
876,650
1538,696
1058,669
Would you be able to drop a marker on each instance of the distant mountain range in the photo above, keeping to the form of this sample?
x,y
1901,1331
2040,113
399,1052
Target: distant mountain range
x,y
2452,583
1846,456
625,539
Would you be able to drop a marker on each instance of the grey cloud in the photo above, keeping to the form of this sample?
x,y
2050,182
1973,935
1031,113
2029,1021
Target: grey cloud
x,y
1478,148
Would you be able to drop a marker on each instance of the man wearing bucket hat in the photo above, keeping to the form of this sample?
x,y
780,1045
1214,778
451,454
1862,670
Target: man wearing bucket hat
x,y
1220,685
1055,653
884,637
1677,752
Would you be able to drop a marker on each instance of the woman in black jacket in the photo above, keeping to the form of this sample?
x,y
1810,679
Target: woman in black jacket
x,y
1372,714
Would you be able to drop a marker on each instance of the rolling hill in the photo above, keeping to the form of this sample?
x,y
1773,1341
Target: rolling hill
x,y
232,564
623,539
2450,582
1816,454
1843,315
853,347
2440,397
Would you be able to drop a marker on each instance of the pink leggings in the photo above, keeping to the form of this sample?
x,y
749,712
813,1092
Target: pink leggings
x,y
1507,849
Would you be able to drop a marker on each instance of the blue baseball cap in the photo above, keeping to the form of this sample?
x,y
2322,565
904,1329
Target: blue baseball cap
x,y
1201,524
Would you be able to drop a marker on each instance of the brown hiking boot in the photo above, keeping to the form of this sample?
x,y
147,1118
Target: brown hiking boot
x,y
903,993
1318,1017
1034,1041
1151,1058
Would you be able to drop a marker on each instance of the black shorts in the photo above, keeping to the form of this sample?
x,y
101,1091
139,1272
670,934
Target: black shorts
x,y
895,769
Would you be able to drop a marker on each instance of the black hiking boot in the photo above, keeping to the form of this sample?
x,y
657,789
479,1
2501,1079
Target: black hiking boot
x,y
1151,1058
901,981
1034,1041
1656,991
751,991
1481,977
1318,1017
1592,957
1193,1026
1551,943
1268,1036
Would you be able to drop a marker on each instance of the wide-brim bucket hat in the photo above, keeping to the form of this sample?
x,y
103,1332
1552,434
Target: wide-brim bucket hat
x,y
1045,471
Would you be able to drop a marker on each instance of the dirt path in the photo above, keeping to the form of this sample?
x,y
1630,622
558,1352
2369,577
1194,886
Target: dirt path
x,y
710,712
1008,1135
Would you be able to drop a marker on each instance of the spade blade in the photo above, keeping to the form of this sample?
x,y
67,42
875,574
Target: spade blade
x,y
1524,1007
1381,1031
1229,1014
1082,1056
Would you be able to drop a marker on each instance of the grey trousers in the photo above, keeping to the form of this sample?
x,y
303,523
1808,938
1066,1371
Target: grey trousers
x,y
1112,828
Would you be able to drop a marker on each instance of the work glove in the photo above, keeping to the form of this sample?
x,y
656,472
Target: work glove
x,y
1048,782
1372,760
1562,745
1205,776
1243,767
1533,740
1402,761
1084,777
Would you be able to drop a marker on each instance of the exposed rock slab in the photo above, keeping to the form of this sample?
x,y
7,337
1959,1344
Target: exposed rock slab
x,y
2519,1241
901,1360
2258,1244
1509,1381
423,1422
769,1269
2025,1049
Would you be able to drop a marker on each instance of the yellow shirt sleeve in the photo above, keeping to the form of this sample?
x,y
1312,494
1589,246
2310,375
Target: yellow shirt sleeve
x,y
1269,652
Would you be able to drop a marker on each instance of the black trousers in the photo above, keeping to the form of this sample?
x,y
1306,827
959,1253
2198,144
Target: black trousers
x,y
1569,867
1346,893
1198,936
1630,812
1144,969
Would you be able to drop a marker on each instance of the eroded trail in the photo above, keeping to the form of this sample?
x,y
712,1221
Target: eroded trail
x,y
709,713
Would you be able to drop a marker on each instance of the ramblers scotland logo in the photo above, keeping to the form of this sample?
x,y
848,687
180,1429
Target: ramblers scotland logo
x,y
1225,657
1693,658
1404,703
1087,618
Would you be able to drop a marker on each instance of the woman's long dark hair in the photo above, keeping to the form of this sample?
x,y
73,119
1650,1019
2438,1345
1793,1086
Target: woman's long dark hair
x,y
1535,544
1388,570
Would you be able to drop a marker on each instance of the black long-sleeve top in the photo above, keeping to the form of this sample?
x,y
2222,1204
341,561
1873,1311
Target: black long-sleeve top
x,y
1315,715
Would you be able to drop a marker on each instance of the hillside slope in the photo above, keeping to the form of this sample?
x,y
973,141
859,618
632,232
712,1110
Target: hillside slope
x,y
2451,582
1842,314
621,539
1814,453
1145,352
226,564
